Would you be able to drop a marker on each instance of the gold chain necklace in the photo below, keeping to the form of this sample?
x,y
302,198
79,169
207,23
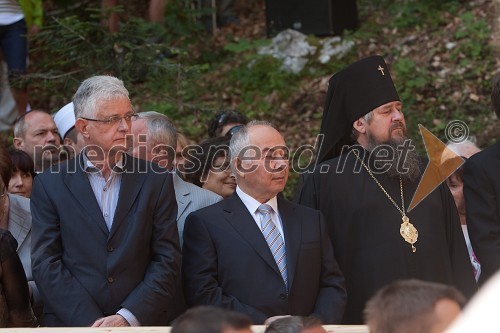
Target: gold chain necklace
x,y
407,230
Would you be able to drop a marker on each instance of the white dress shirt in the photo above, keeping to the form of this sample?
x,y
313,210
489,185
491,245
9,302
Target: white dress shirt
x,y
252,205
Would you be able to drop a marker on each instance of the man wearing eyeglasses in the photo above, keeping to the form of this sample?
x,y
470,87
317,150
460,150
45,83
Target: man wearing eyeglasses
x,y
105,244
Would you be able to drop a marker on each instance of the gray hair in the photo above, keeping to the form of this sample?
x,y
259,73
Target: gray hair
x,y
160,129
368,117
20,124
354,133
240,140
464,148
96,89
294,324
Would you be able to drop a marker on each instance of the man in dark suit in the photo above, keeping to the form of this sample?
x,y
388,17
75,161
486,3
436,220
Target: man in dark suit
x,y
257,253
482,200
105,248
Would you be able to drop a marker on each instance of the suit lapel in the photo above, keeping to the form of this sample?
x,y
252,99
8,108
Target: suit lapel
x,y
79,185
182,194
241,220
292,228
19,221
129,189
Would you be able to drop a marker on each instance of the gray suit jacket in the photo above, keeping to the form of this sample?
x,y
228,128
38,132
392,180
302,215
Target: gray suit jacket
x,y
20,228
85,271
190,198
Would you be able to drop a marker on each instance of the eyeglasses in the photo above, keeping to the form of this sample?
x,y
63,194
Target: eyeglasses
x,y
114,120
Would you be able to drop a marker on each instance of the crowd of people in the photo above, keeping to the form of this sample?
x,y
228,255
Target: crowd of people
x,y
110,218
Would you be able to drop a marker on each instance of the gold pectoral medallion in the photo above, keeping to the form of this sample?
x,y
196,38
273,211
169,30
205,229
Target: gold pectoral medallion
x,y
409,232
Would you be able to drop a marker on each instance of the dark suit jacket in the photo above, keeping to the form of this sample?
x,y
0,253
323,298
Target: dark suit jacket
x,y
84,271
482,199
227,263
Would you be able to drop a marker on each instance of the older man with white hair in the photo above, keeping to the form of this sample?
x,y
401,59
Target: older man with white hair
x,y
255,252
105,248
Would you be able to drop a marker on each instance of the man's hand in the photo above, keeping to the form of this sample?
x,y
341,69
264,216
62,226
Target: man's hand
x,y
271,319
111,321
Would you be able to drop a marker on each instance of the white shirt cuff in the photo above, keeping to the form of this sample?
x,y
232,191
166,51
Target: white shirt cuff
x,y
129,317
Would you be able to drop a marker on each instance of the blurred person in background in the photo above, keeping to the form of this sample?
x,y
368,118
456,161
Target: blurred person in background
x,y
224,121
456,184
482,199
17,19
15,310
413,306
211,319
209,167
72,140
16,217
296,324
182,142
23,172
36,134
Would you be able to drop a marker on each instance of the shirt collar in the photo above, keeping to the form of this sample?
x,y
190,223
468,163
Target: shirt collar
x,y
253,204
90,167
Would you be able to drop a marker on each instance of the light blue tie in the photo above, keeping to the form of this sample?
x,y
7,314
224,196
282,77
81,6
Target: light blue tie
x,y
274,239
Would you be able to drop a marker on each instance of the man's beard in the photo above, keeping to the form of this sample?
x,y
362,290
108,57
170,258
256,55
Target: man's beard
x,y
405,162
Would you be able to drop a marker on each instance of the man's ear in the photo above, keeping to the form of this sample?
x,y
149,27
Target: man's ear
x,y
18,143
81,126
360,125
238,170
68,142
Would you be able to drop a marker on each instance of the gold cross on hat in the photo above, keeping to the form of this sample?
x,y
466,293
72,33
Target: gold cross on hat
x,y
381,69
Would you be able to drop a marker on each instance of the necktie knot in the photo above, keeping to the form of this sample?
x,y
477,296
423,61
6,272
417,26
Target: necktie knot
x,y
264,209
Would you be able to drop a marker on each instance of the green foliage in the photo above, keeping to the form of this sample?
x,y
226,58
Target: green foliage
x,y
411,78
180,70
407,14
473,37
246,45
70,49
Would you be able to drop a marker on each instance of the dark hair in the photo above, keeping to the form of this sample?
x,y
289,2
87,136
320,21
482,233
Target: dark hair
x,y
22,162
294,324
202,158
407,306
495,94
210,319
223,118
5,165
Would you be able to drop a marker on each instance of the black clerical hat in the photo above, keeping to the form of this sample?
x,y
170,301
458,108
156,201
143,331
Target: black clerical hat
x,y
352,93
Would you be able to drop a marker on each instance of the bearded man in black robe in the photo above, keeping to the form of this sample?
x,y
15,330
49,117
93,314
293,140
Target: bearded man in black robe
x,y
367,174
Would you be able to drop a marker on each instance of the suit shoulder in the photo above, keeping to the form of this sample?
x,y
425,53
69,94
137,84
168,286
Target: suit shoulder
x,y
58,170
216,208
486,155
286,204
206,196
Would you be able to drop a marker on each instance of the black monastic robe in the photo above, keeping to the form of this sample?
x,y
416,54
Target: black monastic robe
x,y
364,229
